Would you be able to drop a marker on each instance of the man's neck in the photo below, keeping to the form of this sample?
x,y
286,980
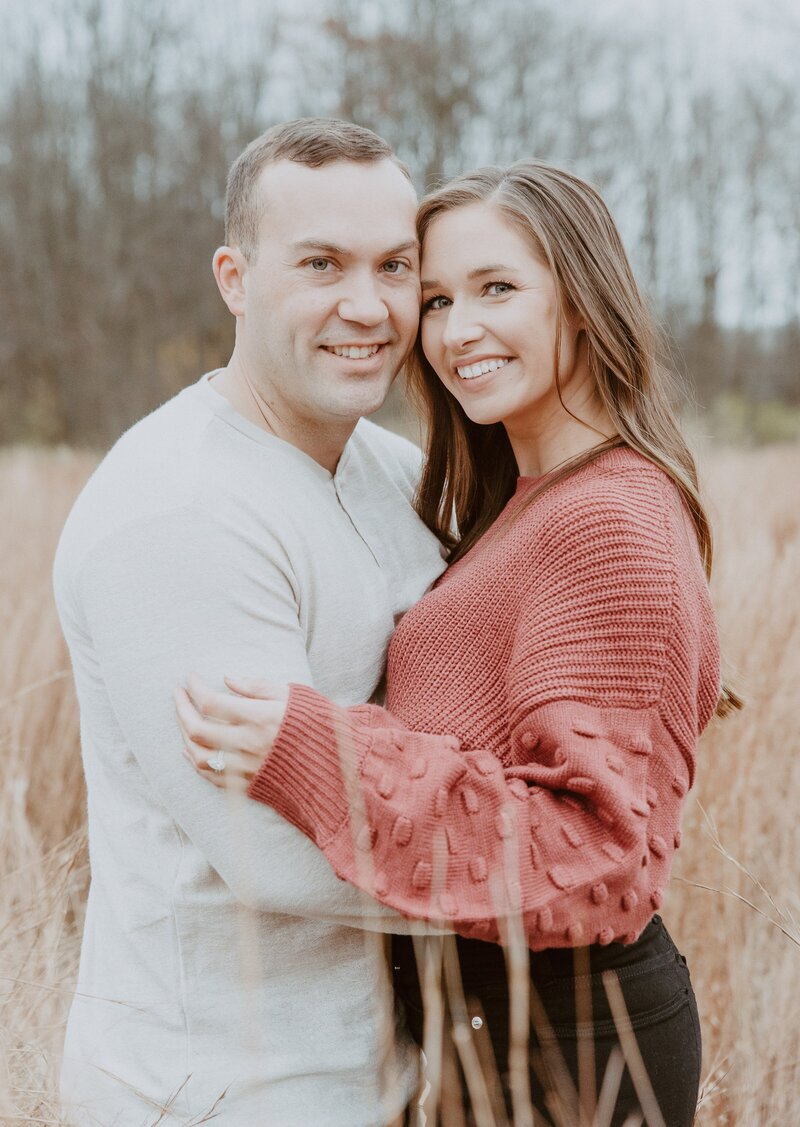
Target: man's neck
x,y
323,444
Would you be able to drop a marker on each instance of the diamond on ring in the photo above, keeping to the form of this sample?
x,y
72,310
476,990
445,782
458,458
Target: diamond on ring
x,y
216,761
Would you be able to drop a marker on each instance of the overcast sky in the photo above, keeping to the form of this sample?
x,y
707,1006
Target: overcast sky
x,y
725,32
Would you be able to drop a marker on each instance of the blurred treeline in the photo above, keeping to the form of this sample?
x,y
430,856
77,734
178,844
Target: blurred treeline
x,y
118,123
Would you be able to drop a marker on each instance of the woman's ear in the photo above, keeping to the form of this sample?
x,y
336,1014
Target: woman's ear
x,y
229,266
573,318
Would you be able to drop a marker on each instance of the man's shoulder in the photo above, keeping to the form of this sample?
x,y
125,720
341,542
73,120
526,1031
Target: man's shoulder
x,y
146,459
178,422
397,457
147,474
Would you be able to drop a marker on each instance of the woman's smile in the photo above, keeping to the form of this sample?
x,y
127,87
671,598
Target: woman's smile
x,y
473,369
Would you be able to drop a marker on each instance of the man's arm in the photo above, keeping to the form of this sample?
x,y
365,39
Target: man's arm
x,y
182,592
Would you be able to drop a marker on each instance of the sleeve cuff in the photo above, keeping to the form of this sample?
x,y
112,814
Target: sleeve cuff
x,y
313,766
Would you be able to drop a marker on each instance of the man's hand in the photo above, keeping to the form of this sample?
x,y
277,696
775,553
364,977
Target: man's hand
x,y
228,736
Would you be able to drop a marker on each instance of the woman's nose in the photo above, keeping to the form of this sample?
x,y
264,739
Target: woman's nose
x,y
461,328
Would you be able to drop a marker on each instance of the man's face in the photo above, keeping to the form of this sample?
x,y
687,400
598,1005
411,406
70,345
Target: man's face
x,y
330,303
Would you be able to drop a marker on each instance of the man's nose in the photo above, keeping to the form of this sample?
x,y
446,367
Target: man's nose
x,y
363,302
461,328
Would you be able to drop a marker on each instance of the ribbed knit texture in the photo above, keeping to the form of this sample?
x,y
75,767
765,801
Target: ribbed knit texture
x,y
544,704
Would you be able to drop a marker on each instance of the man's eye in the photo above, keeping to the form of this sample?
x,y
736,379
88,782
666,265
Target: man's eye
x,y
319,264
395,266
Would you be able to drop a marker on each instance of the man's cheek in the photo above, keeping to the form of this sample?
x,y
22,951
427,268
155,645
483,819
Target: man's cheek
x,y
412,308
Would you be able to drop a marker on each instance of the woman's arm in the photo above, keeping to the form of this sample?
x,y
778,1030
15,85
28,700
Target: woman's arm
x,y
576,831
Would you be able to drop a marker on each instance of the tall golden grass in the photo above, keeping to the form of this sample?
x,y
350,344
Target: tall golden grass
x,y
733,902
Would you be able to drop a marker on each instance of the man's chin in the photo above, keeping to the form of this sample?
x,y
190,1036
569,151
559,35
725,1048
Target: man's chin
x,y
360,396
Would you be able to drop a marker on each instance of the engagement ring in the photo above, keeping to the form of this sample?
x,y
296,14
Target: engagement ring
x,y
216,761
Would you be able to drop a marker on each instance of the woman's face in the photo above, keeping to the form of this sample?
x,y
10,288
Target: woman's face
x,y
489,315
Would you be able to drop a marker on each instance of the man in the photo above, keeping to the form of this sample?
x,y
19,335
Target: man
x,y
251,526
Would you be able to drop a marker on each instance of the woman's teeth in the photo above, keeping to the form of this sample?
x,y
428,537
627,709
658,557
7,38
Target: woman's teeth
x,y
350,353
485,366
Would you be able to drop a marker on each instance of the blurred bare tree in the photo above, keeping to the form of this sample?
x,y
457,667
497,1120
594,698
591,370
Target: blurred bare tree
x,y
114,150
410,77
112,202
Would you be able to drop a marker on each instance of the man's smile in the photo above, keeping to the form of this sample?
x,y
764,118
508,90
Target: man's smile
x,y
353,351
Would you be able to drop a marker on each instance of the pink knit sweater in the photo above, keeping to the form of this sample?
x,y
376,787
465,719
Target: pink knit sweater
x,y
544,705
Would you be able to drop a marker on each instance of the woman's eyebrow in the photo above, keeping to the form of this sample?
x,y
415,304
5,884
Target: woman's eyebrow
x,y
495,268
478,272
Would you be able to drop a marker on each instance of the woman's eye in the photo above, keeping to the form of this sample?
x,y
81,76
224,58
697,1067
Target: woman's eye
x,y
434,303
497,289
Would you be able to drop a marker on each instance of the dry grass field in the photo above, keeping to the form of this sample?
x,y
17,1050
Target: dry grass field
x,y
733,904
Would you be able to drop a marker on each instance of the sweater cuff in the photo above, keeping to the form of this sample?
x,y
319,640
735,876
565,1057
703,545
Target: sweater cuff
x,y
313,765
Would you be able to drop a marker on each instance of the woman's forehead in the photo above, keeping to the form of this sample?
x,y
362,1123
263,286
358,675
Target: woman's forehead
x,y
473,238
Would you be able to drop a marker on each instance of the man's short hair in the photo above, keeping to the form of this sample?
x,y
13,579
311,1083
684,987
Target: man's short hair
x,y
313,141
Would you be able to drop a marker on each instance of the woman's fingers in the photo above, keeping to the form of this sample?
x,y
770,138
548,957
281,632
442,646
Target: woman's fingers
x,y
257,689
201,757
232,771
207,732
236,743
215,705
195,728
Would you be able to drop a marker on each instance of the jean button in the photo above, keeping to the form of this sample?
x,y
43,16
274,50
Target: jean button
x,y
477,1023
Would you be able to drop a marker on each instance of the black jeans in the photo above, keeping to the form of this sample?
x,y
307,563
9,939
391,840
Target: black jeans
x,y
659,1001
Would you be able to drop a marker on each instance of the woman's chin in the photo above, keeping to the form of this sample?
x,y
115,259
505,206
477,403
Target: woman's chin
x,y
483,414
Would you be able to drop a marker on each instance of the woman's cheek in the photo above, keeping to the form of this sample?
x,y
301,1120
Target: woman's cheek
x,y
431,336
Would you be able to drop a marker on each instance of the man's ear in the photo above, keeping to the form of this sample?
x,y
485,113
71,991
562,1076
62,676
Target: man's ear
x,y
229,265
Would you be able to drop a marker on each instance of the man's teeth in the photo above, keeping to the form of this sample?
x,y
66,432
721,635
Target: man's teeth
x,y
473,370
355,353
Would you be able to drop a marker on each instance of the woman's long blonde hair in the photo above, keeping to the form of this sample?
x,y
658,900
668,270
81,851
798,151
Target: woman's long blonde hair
x,y
470,472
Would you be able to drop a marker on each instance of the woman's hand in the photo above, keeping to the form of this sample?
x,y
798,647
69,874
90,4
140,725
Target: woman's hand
x,y
228,736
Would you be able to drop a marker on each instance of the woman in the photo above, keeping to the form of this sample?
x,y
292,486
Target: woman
x,y
544,700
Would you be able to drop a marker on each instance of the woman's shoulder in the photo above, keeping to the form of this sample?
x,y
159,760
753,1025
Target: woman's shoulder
x,y
619,496
621,477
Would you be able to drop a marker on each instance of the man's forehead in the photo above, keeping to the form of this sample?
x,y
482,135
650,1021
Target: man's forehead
x,y
338,203
295,176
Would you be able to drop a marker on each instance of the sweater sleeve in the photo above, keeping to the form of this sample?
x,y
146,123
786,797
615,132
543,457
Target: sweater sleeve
x,y
574,830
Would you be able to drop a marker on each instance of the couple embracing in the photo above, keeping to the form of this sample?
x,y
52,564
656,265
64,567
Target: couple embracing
x,y
247,564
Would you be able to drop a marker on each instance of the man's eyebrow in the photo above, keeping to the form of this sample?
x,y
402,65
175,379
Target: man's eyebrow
x,y
411,244
318,244
495,268
332,248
